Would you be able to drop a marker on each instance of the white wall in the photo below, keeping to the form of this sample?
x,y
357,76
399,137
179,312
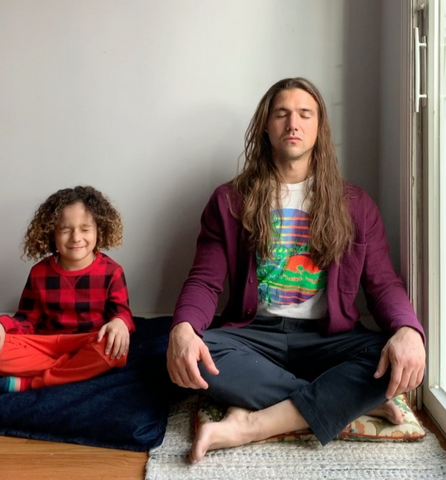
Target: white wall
x,y
148,101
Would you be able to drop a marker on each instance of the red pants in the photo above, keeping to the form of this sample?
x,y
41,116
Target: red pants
x,y
55,359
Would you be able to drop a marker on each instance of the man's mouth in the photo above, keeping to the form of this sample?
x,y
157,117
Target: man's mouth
x,y
293,139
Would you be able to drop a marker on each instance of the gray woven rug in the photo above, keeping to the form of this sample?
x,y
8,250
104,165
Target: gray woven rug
x,y
341,460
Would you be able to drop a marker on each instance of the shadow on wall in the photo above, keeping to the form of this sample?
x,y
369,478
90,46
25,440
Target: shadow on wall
x,y
371,122
179,243
176,199
361,93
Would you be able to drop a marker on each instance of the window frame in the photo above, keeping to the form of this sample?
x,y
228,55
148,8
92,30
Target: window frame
x,y
433,266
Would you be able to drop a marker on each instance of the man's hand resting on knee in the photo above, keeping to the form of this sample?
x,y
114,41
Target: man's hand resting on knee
x,y
406,353
185,350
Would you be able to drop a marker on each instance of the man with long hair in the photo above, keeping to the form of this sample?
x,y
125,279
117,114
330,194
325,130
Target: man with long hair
x,y
294,241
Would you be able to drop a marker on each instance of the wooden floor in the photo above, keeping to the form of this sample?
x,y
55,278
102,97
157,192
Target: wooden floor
x,y
427,422
22,459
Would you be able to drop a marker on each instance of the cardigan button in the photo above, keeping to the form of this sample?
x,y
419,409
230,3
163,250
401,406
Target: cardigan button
x,y
251,280
248,312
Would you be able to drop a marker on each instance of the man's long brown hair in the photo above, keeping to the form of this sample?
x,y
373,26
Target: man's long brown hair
x,y
331,227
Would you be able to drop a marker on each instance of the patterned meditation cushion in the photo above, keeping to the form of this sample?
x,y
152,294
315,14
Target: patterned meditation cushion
x,y
365,428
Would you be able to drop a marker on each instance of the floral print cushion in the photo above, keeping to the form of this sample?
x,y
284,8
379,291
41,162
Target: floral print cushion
x,y
365,428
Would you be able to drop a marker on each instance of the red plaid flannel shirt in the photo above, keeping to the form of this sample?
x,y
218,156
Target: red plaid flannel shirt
x,y
60,301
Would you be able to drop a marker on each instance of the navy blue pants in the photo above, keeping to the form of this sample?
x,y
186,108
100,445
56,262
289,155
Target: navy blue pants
x,y
328,378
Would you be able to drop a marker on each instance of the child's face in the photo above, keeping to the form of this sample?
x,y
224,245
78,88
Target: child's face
x,y
75,237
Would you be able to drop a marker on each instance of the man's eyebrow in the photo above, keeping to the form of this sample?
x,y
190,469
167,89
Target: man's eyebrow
x,y
301,109
276,109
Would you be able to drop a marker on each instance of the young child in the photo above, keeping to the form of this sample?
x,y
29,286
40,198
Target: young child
x,y
74,320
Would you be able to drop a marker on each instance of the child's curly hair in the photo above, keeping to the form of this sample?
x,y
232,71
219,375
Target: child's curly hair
x,y
39,237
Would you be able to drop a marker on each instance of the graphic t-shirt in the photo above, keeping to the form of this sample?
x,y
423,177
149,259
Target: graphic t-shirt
x,y
290,283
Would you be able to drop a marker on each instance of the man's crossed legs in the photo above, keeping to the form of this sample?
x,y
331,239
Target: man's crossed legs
x,y
280,375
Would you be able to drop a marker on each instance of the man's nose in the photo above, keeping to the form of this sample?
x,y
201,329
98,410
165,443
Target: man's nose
x,y
292,123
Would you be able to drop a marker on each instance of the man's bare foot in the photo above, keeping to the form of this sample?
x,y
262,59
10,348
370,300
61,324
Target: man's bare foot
x,y
233,430
389,411
240,426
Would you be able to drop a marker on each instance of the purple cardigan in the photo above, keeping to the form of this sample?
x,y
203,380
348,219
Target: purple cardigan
x,y
223,251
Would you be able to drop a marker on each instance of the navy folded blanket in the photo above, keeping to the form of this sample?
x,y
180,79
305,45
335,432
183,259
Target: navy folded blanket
x,y
125,408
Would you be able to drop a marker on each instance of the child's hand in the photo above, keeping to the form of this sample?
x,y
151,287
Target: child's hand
x,y
118,337
2,335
